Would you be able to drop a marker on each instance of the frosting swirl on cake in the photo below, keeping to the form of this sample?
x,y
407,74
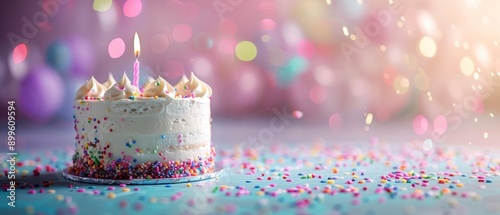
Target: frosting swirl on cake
x,y
110,90
122,90
193,87
160,88
91,89
180,86
148,82
110,82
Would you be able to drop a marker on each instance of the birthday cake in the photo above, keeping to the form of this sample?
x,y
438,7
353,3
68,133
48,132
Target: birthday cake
x,y
158,131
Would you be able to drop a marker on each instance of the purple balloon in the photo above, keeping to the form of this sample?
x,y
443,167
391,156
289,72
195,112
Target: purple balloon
x,y
41,94
82,62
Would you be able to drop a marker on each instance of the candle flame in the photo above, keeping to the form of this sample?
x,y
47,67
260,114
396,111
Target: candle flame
x,y
137,45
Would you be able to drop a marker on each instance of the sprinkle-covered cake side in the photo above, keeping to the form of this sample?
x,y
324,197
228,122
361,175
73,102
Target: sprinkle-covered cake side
x,y
161,131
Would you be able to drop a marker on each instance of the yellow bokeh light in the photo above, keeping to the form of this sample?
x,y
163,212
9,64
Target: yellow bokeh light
x,y
102,5
345,30
427,47
467,66
401,85
369,119
429,96
246,51
404,82
422,81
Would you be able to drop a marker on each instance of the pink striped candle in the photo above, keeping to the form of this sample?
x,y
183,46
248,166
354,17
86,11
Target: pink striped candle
x,y
137,50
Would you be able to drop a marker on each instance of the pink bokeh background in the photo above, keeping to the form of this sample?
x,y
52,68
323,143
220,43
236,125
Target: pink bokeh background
x,y
337,62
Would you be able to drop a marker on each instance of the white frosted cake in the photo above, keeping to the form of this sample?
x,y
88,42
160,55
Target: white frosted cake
x,y
158,131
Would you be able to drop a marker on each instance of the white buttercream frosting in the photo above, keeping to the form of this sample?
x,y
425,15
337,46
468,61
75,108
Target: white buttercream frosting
x,y
181,85
160,87
193,87
162,129
91,89
122,90
110,82
149,81
111,90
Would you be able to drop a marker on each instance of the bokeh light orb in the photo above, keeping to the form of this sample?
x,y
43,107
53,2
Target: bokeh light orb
x,y
389,75
58,56
17,70
427,145
292,34
246,51
420,125
203,41
227,45
427,23
248,87
20,53
317,94
182,33
203,67
249,82
132,8
467,66
306,49
102,5
401,85
422,81
297,114
336,122
482,54
290,70
41,94
324,75
267,24
427,47
440,124
159,43
116,48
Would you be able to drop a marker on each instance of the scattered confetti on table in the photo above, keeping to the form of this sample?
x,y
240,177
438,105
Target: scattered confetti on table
x,y
302,178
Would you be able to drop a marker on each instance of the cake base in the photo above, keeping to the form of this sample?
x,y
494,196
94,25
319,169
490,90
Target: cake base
x,y
207,176
126,168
